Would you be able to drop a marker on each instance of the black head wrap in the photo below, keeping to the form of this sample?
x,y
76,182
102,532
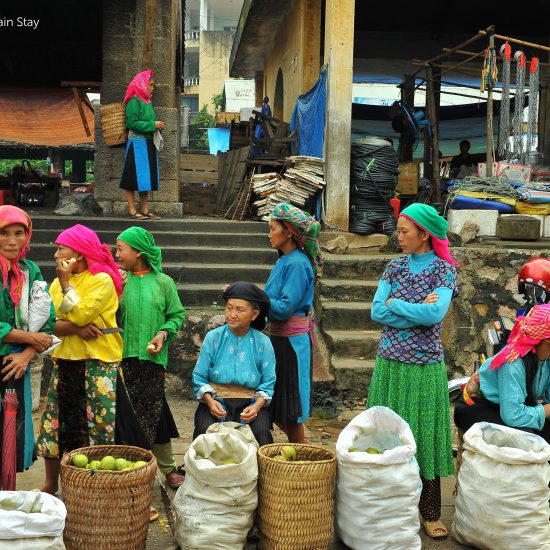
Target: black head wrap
x,y
251,293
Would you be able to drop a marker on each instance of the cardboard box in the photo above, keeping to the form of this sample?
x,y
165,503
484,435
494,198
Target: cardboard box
x,y
407,183
517,173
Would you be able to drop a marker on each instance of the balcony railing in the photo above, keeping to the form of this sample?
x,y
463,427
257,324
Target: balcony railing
x,y
191,81
191,35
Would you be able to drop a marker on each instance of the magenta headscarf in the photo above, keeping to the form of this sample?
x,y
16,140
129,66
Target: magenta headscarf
x,y
98,255
138,87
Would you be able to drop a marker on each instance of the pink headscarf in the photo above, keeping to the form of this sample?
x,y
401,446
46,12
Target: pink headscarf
x,y
98,256
139,86
528,331
11,215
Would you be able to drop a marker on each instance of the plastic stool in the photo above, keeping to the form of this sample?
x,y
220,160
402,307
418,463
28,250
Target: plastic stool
x,y
6,196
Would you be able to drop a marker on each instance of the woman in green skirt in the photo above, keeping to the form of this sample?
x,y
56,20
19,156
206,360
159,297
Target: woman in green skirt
x,y
410,376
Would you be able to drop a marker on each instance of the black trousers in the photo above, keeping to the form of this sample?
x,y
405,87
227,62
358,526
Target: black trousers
x,y
261,427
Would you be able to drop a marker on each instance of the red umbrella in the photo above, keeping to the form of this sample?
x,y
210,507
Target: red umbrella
x,y
9,450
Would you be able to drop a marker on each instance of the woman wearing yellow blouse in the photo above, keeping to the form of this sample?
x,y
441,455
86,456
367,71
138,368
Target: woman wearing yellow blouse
x,y
80,409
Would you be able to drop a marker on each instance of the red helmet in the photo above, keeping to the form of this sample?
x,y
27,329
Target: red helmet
x,y
537,272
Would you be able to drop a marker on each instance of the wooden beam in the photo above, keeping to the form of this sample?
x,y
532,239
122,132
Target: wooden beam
x,y
490,153
432,114
465,52
479,35
150,8
78,102
81,84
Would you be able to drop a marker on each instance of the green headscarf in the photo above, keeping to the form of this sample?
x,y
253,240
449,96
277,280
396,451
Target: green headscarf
x,y
143,242
427,217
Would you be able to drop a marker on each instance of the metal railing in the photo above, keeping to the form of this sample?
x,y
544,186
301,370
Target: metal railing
x,y
191,81
191,35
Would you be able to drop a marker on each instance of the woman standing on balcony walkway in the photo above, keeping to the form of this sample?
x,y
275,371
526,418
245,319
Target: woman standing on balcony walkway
x,y
410,377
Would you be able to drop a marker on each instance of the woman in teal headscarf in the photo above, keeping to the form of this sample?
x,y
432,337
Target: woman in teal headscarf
x,y
410,377
290,287
151,315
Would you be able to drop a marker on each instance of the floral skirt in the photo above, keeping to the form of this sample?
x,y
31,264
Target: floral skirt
x,y
80,409
419,394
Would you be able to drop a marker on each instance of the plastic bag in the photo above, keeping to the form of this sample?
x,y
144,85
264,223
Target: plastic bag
x,y
31,520
216,503
502,491
39,312
377,494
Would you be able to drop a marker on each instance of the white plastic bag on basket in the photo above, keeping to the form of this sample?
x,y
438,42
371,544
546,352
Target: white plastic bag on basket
x,y
215,505
377,494
31,520
502,496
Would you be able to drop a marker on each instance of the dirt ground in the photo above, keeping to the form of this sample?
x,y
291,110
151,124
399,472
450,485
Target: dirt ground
x,y
320,431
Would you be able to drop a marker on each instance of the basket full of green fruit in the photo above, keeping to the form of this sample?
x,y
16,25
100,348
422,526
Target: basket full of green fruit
x,y
103,487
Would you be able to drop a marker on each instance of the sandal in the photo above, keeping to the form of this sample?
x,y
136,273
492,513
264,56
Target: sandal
x,y
435,529
150,216
153,514
136,216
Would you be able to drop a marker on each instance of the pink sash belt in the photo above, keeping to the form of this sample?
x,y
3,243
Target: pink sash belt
x,y
296,325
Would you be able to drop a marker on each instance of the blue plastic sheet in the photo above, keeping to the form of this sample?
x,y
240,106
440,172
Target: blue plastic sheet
x,y
308,118
218,140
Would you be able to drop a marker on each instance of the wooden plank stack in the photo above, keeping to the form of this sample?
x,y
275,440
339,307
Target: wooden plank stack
x,y
300,182
198,184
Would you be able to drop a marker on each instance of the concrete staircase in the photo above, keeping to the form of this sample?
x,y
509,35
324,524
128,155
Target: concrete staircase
x,y
200,254
344,300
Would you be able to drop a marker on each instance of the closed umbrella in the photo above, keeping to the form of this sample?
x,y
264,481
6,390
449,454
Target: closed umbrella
x,y
9,447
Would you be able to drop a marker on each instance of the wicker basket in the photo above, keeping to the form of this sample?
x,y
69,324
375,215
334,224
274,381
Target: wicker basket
x,y
107,510
295,501
113,124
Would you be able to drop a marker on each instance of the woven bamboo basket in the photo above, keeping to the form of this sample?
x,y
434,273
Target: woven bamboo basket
x,y
295,501
107,510
113,124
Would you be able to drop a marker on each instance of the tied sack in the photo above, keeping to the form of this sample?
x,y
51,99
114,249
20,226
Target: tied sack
x,y
31,520
215,505
502,491
377,494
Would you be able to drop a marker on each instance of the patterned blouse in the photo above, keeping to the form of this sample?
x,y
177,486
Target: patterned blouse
x,y
418,344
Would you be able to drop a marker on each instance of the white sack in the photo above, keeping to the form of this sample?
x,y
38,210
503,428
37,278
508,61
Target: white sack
x,y
215,505
502,497
377,494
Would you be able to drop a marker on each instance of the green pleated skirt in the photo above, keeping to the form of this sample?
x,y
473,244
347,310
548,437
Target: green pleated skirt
x,y
419,394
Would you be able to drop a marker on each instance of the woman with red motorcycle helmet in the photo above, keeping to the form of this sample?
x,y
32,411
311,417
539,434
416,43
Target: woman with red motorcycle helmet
x,y
534,282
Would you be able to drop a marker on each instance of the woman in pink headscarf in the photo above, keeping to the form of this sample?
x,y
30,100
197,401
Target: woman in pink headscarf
x,y
141,169
512,388
81,405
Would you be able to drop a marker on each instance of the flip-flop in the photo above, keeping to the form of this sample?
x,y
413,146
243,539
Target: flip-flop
x,y
435,529
153,514
136,216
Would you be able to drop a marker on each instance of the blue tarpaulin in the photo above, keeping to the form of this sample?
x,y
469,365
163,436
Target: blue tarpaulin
x,y
218,140
309,118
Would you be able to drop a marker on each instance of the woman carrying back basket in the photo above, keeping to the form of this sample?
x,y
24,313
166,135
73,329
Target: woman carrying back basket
x,y
141,169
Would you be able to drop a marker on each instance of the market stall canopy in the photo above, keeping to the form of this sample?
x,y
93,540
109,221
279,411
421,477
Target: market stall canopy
x,y
48,117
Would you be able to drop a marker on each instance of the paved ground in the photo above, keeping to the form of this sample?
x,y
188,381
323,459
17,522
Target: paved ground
x,y
320,431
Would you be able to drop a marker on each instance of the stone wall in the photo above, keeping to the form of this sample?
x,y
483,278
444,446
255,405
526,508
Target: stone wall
x,y
123,46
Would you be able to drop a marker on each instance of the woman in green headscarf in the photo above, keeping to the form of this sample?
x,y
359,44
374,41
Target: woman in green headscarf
x,y
151,314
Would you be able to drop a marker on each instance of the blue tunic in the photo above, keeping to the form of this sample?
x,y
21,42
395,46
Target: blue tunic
x,y
290,289
247,361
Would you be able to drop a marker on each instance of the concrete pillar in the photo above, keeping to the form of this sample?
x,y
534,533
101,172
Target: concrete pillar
x,y
311,45
58,161
203,15
79,170
339,24
123,46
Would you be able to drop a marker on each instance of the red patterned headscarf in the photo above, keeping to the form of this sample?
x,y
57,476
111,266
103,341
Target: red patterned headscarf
x,y
528,331
11,215
139,87
98,256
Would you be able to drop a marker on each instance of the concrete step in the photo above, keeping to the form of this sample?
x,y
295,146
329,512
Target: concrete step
x,y
353,376
348,290
188,273
173,238
347,266
347,316
255,256
196,224
362,344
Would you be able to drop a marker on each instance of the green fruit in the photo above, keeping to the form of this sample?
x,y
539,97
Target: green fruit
x,y
120,464
107,463
289,452
139,464
372,451
354,450
94,465
281,458
80,461
229,461
125,469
